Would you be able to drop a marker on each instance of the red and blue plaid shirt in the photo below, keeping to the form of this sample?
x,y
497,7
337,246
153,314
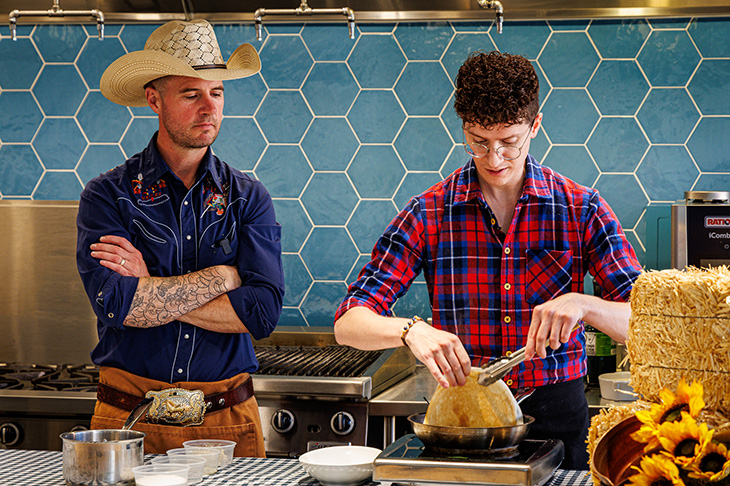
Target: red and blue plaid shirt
x,y
483,283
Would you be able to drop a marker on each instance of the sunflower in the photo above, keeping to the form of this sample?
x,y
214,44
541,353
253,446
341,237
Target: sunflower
x,y
684,441
689,399
656,470
713,464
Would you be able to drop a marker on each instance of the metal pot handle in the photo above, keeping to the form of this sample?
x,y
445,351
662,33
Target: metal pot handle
x,y
522,393
137,413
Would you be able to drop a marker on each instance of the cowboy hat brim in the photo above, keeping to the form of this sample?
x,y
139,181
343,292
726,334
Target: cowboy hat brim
x,y
124,80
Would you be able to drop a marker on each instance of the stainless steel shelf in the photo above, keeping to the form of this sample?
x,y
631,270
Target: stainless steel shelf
x,y
116,11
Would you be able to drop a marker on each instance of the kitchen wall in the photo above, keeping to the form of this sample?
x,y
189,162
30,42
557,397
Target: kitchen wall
x,y
342,132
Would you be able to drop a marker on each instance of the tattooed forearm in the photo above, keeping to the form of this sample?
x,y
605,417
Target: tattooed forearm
x,y
159,300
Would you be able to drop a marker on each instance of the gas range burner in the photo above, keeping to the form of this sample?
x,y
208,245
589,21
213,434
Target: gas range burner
x,y
407,462
87,370
10,384
26,372
15,376
65,384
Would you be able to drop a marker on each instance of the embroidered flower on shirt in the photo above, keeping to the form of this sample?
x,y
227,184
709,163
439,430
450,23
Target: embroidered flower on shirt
x,y
149,194
213,199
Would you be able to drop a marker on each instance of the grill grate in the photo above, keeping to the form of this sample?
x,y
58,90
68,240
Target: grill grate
x,y
335,361
65,377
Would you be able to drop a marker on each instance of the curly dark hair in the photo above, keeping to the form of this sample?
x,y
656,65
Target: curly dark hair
x,y
494,88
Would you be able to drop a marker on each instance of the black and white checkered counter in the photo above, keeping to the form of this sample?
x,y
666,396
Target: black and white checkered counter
x,y
45,468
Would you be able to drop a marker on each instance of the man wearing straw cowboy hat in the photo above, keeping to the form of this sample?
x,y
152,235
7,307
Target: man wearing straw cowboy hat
x,y
180,254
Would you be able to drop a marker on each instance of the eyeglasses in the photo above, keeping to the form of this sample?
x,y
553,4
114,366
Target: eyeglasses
x,y
506,152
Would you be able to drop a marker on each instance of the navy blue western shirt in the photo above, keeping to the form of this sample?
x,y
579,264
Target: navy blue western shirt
x,y
225,218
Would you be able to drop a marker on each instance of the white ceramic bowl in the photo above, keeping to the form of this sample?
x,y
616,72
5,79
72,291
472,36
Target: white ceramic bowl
x,y
615,386
340,465
225,447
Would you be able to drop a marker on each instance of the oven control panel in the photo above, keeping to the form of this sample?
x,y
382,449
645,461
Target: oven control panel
x,y
22,431
291,425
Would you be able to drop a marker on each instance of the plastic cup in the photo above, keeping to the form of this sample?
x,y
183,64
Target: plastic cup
x,y
196,464
211,456
225,447
161,475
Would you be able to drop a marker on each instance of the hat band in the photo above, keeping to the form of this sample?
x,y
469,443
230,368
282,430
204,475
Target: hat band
x,y
210,66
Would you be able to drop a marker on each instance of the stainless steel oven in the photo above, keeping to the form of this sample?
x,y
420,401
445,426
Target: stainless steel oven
x,y
701,229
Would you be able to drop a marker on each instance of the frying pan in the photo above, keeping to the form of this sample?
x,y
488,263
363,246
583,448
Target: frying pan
x,y
470,440
473,440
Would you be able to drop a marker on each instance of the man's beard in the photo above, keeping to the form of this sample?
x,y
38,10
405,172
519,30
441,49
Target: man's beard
x,y
182,137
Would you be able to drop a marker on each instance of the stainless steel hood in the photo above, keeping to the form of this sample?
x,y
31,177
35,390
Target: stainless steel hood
x,y
369,10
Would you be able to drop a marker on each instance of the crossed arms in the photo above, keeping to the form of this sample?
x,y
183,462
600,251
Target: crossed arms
x,y
197,298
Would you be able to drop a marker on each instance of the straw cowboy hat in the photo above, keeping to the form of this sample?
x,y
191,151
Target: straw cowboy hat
x,y
177,48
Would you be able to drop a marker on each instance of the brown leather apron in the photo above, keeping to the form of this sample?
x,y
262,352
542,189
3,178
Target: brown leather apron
x,y
240,423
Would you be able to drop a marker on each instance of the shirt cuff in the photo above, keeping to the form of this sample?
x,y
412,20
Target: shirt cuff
x,y
114,298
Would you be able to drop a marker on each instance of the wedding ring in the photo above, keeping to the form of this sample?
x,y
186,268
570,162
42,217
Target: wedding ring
x,y
123,261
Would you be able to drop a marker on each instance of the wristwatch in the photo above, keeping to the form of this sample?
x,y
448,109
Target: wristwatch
x,y
408,327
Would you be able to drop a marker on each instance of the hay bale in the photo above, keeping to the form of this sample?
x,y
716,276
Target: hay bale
x,y
680,328
604,421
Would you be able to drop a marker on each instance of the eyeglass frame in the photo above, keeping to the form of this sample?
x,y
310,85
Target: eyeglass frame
x,y
467,146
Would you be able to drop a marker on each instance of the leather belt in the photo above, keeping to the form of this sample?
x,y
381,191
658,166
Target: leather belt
x,y
213,403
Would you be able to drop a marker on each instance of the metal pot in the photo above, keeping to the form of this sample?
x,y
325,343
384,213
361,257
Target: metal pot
x,y
101,457
470,440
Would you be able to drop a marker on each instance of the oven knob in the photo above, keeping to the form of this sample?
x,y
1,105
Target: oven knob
x,y
282,421
342,423
10,434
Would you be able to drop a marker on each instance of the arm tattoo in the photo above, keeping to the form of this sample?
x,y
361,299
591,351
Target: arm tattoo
x,y
159,300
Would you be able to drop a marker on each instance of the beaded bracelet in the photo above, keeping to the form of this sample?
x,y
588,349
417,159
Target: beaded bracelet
x,y
408,327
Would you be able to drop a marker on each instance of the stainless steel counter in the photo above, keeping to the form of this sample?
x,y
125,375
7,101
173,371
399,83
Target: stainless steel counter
x,y
407,397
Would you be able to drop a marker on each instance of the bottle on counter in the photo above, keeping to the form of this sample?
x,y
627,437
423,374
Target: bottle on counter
x,y
600,348
601,351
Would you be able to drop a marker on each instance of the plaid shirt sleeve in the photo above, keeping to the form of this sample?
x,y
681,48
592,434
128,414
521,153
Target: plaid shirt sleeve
x,y
396,260
612,260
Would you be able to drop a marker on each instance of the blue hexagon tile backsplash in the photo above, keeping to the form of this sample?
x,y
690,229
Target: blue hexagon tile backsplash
x,y
343,132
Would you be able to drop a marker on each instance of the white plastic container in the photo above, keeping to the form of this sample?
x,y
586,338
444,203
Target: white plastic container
x,y
161,475
225,447
196,464
211,456
615,386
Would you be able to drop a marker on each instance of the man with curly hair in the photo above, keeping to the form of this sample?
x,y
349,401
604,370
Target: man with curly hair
x,y
504,244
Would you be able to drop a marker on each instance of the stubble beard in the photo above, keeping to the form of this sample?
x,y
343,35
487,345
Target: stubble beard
x,y
183,137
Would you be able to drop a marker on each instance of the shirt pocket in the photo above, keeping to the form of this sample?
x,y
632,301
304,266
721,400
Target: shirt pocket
x,y
227,242
549,274
148,234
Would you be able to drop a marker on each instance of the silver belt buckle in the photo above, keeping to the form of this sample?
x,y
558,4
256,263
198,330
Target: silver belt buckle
x,y
176,406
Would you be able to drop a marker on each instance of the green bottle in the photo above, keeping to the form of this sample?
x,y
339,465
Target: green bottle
x,y
601,351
